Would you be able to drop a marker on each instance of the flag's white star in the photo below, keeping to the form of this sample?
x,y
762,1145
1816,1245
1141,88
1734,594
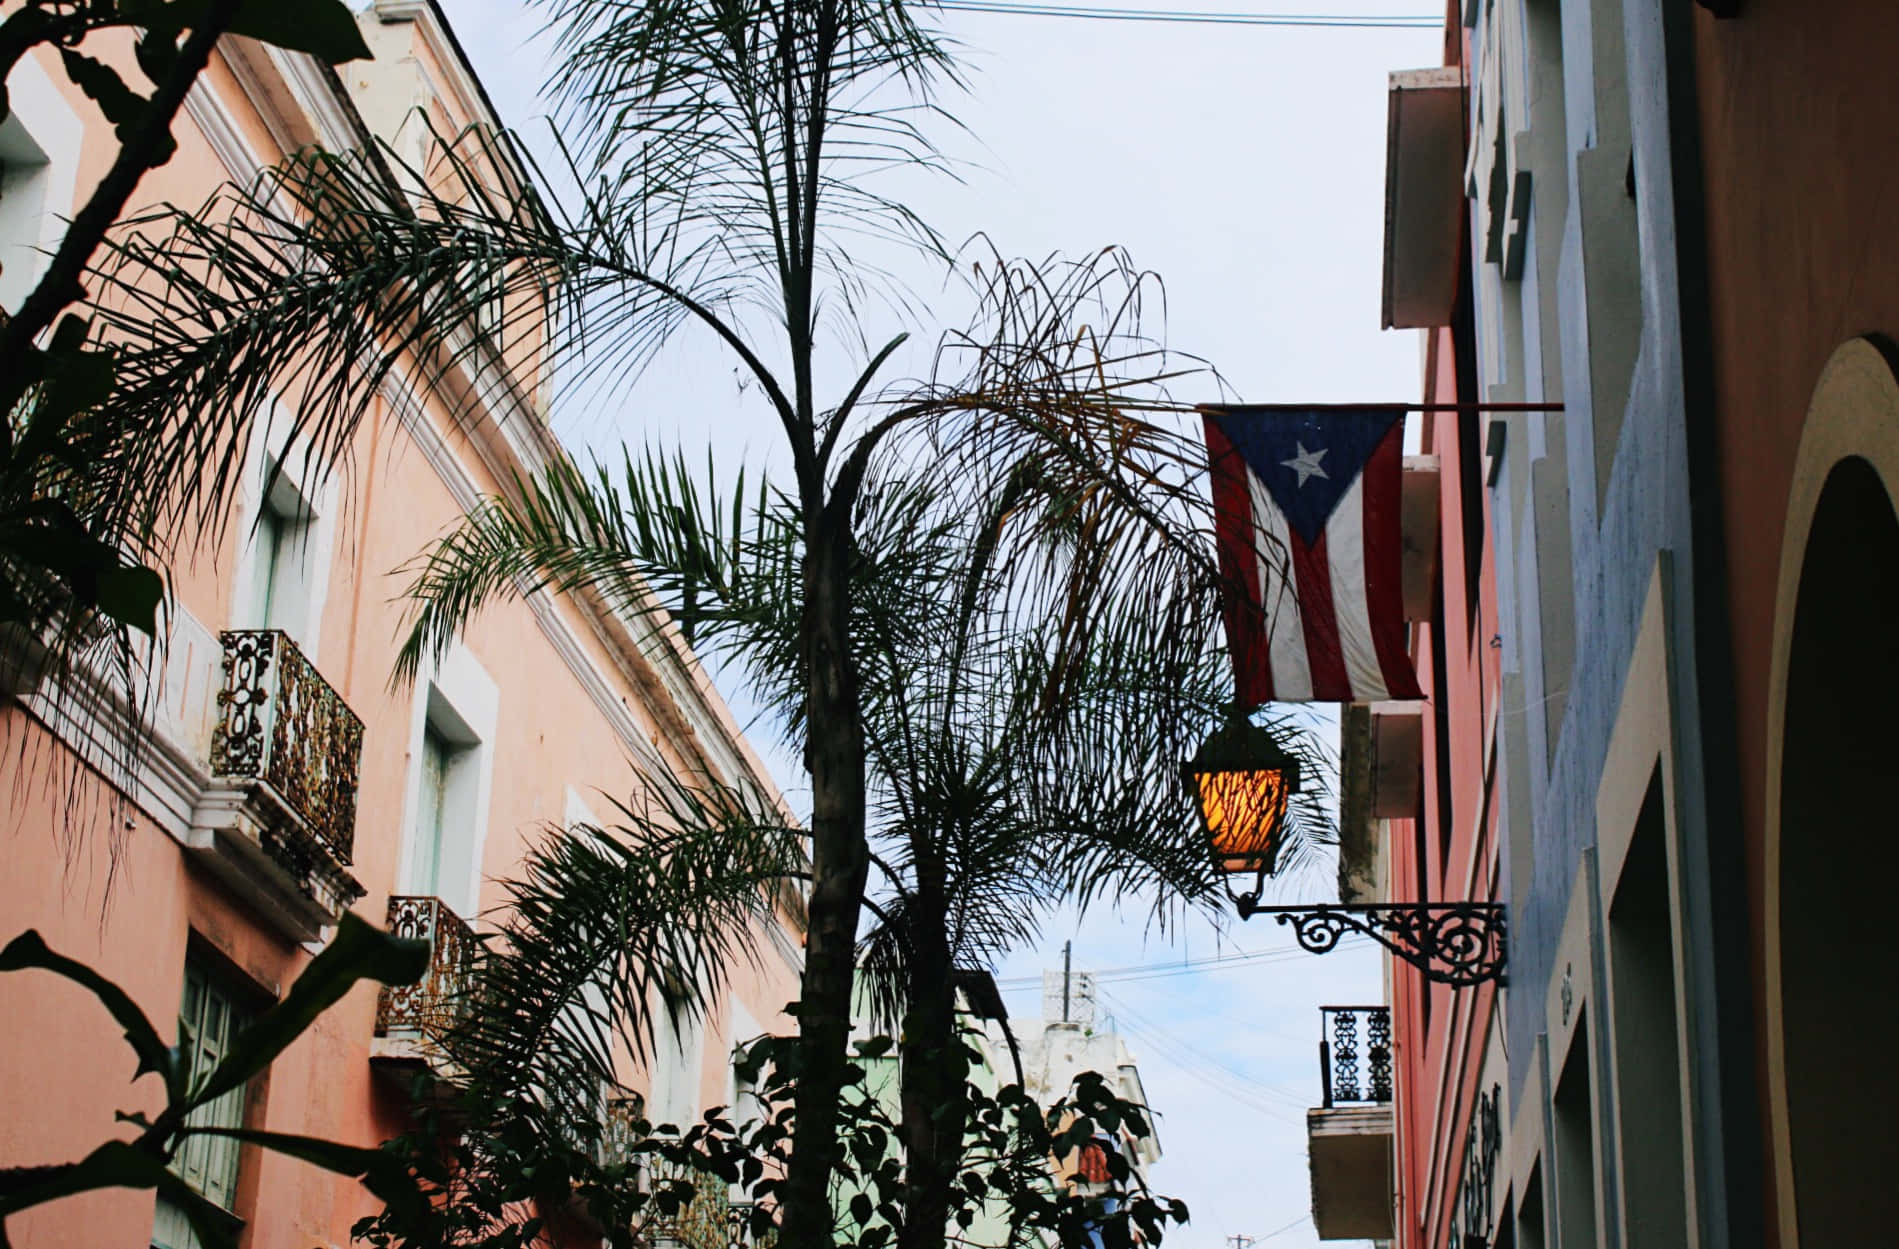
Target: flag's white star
x,y
1306,463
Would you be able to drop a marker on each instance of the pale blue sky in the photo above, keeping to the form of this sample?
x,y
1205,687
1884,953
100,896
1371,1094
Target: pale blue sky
x,y
1246,165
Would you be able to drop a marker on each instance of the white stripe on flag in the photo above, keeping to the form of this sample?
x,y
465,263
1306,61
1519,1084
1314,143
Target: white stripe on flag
x,y
1285,630
1345,552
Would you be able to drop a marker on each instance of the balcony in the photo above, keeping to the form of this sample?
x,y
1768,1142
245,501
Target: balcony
x,y
278,820
703,1223
412,1019
1349,1138
709,1221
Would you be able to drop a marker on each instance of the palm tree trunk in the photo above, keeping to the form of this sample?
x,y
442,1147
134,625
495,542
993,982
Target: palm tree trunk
x,y
840,867
933,1070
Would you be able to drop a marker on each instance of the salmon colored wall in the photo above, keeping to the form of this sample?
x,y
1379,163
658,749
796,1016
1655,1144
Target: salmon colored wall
x,y
1440,1043
62,1065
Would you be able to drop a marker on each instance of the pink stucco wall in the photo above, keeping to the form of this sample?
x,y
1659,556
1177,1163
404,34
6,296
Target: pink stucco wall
x,y
63,1068
1439,1034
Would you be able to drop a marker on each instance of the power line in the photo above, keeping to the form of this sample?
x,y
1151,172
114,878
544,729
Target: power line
x,y
1140,1022
1341,21
1160,971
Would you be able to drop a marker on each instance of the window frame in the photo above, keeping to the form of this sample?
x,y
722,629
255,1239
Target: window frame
x,y
215,985
457,700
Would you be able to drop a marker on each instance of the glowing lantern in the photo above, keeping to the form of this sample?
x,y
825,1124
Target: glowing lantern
x,y
1241,780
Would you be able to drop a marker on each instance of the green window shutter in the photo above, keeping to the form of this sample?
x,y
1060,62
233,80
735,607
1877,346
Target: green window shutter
x,y
208,1021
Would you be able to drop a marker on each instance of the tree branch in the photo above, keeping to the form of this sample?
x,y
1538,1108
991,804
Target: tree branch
x,y
143,150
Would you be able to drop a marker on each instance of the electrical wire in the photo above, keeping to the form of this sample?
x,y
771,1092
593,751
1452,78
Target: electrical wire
x,y
1125,1013
1162,971
1339,21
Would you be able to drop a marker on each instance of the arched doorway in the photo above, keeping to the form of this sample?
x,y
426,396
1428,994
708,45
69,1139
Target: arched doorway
x,y
1831,938
1839,843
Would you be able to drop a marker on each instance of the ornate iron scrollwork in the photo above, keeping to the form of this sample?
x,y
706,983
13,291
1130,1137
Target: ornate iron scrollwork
x,y
746,1228
1340,1052
1475,1224
243,732
432,1004
1454,943
621,1123
283,724
703,1222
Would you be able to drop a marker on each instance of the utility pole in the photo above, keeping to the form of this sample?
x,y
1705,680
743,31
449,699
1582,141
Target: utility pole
x,y
1241,1242
1068,949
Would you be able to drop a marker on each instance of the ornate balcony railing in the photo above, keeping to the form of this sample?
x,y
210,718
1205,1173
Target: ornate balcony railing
x,y
739,1224
1355,1055
620,1130
281,723
430,1006
702,1223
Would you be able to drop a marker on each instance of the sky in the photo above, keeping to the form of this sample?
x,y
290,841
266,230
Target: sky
x,y
1245,165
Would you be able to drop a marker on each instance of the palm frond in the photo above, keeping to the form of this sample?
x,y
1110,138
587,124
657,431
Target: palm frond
x,y
607,927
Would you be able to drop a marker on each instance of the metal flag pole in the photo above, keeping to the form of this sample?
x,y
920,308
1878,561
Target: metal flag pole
x,y
1248,409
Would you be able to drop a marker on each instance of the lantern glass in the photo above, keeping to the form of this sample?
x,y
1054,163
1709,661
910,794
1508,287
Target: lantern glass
x,y
1243,813
1241,782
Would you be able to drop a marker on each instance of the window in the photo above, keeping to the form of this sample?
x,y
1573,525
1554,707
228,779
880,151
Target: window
x,y
39,145
432,800
450,774
24,172
209,1019
281,572
1573,1120
678,1051
1647,1039
442,860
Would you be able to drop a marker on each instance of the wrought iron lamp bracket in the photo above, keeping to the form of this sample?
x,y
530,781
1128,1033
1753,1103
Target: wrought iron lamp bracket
x,y
1455,943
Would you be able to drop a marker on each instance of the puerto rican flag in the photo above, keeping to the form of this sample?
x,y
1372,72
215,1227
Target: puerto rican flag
x,y
1307,521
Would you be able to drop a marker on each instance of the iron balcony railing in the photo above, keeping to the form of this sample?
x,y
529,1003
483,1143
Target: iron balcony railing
x,y
1355,1055
703,1222
620,1122
739,1225
432,1005
281,723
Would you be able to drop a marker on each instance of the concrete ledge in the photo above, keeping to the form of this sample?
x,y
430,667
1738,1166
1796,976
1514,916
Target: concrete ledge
x,y
1350,1152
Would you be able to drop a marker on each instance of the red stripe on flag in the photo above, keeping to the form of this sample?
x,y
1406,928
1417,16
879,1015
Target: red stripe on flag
x,y
1312,575
1384,571
1239,567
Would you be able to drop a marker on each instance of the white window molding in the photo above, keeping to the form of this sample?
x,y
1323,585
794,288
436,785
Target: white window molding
x,y
280,477
678,1063
574,810
457,699
40,142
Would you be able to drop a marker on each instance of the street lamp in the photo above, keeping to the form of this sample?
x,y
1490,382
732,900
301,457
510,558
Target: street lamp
x,y
1241,779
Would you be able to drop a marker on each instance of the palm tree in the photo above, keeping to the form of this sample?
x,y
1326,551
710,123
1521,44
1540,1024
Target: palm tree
x,y
1022,499
1026,693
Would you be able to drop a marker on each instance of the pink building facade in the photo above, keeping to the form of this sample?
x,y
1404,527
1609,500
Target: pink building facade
x,y
203,871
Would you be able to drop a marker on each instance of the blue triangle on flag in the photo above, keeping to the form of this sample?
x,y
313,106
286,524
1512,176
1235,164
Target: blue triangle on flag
x,y
1306,460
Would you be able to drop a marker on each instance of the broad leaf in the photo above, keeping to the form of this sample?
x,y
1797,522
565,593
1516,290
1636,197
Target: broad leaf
x,y
382,1173
119,1164
130,594
359,951
324,28
30,950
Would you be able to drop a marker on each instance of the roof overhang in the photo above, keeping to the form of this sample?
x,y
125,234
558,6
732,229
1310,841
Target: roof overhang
x,y
1424,199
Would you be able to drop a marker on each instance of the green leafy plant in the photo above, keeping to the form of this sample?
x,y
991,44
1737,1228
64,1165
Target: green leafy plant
x,y
358,952
655,1181
967,588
